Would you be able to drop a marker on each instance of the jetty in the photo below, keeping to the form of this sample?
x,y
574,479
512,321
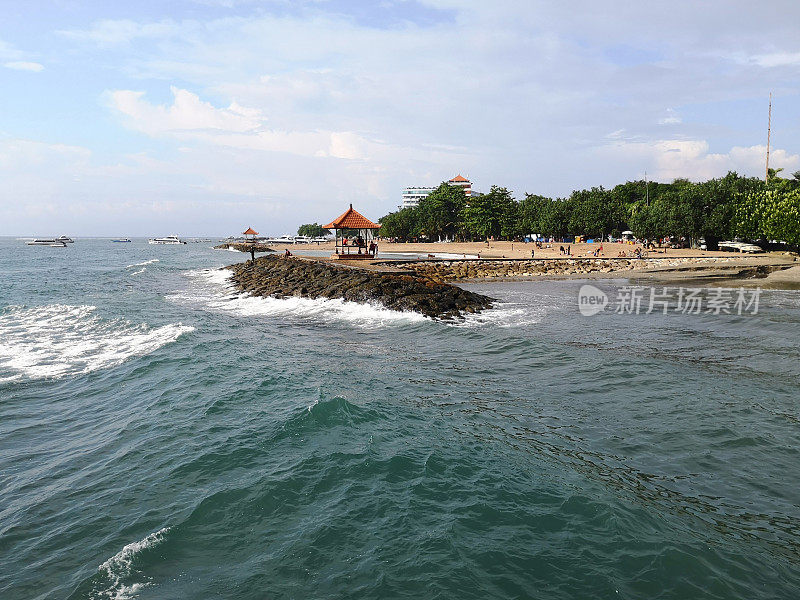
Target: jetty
x,y
282,277
245,247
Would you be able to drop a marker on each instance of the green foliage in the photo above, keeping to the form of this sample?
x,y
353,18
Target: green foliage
x,y
770,214
312,230
491,215
715,210
438,214
401,224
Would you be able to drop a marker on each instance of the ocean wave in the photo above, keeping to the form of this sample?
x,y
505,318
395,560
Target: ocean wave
x,y
143,264
503,314
113,572
57,340
217,293
139,272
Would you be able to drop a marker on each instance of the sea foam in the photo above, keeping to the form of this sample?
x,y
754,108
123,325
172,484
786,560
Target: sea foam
x,y
58,340
216,292
120,566
143,264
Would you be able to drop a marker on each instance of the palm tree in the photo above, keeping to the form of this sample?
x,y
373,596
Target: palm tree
x,y
773,173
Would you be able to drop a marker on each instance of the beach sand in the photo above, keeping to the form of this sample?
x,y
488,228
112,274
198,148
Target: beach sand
x,y
686,266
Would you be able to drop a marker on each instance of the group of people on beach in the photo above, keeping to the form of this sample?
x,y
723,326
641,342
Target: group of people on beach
x,y
359,243
565,251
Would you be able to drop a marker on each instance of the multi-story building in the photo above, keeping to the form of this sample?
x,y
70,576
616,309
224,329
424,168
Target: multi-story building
x,y
462,182
412,195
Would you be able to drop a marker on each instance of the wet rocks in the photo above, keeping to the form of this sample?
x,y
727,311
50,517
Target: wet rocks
x,y
244,247
282,277
491,269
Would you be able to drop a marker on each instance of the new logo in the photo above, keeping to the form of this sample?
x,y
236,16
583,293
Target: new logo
x,y
591,300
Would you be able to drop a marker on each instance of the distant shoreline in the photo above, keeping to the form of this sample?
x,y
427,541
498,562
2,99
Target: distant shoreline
x,y
501,262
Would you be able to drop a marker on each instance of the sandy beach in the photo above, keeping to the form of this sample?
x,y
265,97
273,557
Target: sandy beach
x,y
506,261
518,249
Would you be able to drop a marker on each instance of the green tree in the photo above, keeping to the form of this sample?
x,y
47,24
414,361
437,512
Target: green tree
x,y
593,212
491,215
771,214
312,230
402,225
531,214
438,214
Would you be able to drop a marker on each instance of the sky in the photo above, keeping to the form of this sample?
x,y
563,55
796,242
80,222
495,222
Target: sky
x,y
205,117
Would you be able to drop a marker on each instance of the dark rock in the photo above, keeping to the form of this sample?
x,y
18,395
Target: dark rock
x,y
280,277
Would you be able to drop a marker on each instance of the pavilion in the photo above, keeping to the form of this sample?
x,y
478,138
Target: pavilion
x,y
349,247
251,232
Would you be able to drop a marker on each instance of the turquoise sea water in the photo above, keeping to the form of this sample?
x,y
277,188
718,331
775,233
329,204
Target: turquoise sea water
x,y
163,437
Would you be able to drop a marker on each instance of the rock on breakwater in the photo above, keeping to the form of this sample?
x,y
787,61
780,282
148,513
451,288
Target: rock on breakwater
x,y
244,247
282,277
487,269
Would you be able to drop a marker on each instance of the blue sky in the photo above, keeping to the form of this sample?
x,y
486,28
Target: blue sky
x,y
203,117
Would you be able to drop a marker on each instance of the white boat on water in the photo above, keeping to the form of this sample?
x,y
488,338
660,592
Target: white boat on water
x,y
65,239
284,239
168,240
52,242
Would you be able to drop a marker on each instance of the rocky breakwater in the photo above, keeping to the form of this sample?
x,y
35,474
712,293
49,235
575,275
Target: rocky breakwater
x,y
488,269
244,247
282,277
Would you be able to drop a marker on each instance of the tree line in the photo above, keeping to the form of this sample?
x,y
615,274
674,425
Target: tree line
x,y
716,210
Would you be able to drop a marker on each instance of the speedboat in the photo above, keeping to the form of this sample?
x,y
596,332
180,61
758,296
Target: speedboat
x,y
170,239
125,241
52,242
65,239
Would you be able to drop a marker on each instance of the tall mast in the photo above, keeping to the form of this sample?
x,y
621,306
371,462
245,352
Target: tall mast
x,y
769,131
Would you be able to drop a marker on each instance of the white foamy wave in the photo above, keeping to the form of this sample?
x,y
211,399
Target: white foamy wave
x,y
217,293
504,314
58,340
120,566
143,264
139,272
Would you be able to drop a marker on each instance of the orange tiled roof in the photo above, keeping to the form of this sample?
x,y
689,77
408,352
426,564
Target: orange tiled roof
x,y
459,178
250,232
351,219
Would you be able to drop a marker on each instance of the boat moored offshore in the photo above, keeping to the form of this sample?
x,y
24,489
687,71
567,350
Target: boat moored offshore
x,y
167,240
52,242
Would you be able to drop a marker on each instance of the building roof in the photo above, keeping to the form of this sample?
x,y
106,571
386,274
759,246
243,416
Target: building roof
x,y
351,219
250,232
459,179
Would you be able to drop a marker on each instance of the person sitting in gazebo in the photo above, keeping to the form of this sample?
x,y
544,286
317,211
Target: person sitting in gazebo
x,y
363,232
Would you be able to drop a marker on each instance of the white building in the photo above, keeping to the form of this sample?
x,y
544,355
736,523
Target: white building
x,y
412,195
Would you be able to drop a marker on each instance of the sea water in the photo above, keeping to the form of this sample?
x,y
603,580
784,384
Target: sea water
x,y
162,436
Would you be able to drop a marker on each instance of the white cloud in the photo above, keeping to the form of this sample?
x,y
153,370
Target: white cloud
x,y
274,104
671,118
24,66
186,113
671,159
111,32
236,126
